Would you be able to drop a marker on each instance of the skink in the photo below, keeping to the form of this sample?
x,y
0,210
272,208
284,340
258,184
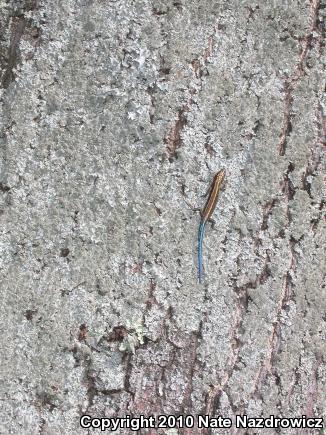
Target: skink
x,y
205,216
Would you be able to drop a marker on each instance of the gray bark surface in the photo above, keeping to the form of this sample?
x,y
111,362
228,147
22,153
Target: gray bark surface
x,y
115,116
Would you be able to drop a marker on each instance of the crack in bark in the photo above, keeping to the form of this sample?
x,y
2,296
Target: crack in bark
x,y
128,370
41,426
288,189
287,124
320,122
312,392
296,75
173,139
18,26
267,211
316,150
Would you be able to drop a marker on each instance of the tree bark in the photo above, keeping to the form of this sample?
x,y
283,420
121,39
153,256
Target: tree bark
x,y
116,115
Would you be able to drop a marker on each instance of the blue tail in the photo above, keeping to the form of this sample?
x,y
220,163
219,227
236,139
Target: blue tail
x,y
200,250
